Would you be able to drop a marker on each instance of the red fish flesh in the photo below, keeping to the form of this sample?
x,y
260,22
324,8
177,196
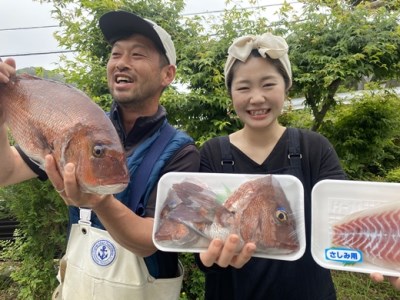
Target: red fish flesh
x,y
375,232
49,117
258,211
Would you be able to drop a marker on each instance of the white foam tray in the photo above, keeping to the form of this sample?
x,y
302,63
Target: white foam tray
x,y
334,199
219,183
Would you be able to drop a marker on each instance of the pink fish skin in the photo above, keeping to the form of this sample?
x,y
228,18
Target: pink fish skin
x,y
49,117
375,232
263,215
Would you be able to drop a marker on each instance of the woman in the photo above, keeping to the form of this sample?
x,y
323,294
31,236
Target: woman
x,y
258,76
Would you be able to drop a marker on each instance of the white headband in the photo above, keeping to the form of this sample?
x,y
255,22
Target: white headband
x,y
275,46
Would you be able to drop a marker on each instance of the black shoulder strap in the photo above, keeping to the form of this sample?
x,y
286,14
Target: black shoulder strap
x,y
139,183
294,154
227,162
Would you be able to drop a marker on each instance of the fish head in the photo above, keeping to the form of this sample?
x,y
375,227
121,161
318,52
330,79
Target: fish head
x,y
282,239
99,159
283,219
264,216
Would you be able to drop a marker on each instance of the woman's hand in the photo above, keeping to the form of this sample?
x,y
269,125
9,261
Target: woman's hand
x,y
227,254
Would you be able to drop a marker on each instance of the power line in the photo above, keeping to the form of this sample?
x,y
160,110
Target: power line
x,y
37,53
71,51
27,28
244,8
184,15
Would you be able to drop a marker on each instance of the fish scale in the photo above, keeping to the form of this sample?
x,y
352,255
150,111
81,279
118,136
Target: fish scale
x,y
375,232
49,117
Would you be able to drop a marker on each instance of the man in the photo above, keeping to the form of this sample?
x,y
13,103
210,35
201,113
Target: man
x,y
140,67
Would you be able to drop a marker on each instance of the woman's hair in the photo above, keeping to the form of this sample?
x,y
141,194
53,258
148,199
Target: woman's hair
x,y
254,53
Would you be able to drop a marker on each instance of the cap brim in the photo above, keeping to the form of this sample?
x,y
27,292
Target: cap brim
x,y
116,25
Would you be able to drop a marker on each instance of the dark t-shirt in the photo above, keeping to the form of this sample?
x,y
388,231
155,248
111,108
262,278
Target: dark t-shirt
x,y
276,279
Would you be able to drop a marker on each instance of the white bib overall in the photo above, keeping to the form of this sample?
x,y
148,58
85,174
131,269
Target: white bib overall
x,y
98,268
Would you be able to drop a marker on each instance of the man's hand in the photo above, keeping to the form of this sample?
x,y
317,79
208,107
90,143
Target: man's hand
x,y
68,187
394,281
7,69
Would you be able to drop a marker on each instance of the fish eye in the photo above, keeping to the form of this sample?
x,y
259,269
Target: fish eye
x,y
98,151
281,215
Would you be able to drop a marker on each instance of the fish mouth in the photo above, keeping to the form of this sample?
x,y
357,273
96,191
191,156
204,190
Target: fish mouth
x,y
105,189
279,251
280,247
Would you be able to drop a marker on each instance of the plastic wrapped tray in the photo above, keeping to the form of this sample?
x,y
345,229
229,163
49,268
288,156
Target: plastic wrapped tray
x,y
188,200
337,201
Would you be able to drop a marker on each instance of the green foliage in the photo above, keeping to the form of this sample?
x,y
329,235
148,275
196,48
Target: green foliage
x,y
358,286
204,116
334,46
5,212
374,4
296,118
393,175
40,239
365,135
193,281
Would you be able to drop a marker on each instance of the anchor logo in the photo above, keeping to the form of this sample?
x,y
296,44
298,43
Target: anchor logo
x,y
103,252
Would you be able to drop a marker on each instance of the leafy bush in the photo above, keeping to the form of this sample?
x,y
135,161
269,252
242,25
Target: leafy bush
x,y
40,239
193,281
297,118
365,135
393,175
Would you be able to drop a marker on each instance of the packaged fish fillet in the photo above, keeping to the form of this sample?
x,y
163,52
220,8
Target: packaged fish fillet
x,y
194,208
356,226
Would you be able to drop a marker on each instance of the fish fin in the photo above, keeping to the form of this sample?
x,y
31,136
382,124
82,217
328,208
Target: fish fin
x,y
195,229
28,77
70,135
41,145
37,162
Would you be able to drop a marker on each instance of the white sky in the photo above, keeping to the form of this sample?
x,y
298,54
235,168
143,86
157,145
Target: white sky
x,y
29,13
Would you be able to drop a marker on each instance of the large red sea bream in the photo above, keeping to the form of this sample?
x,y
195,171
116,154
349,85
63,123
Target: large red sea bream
x,y
46,116
375,232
